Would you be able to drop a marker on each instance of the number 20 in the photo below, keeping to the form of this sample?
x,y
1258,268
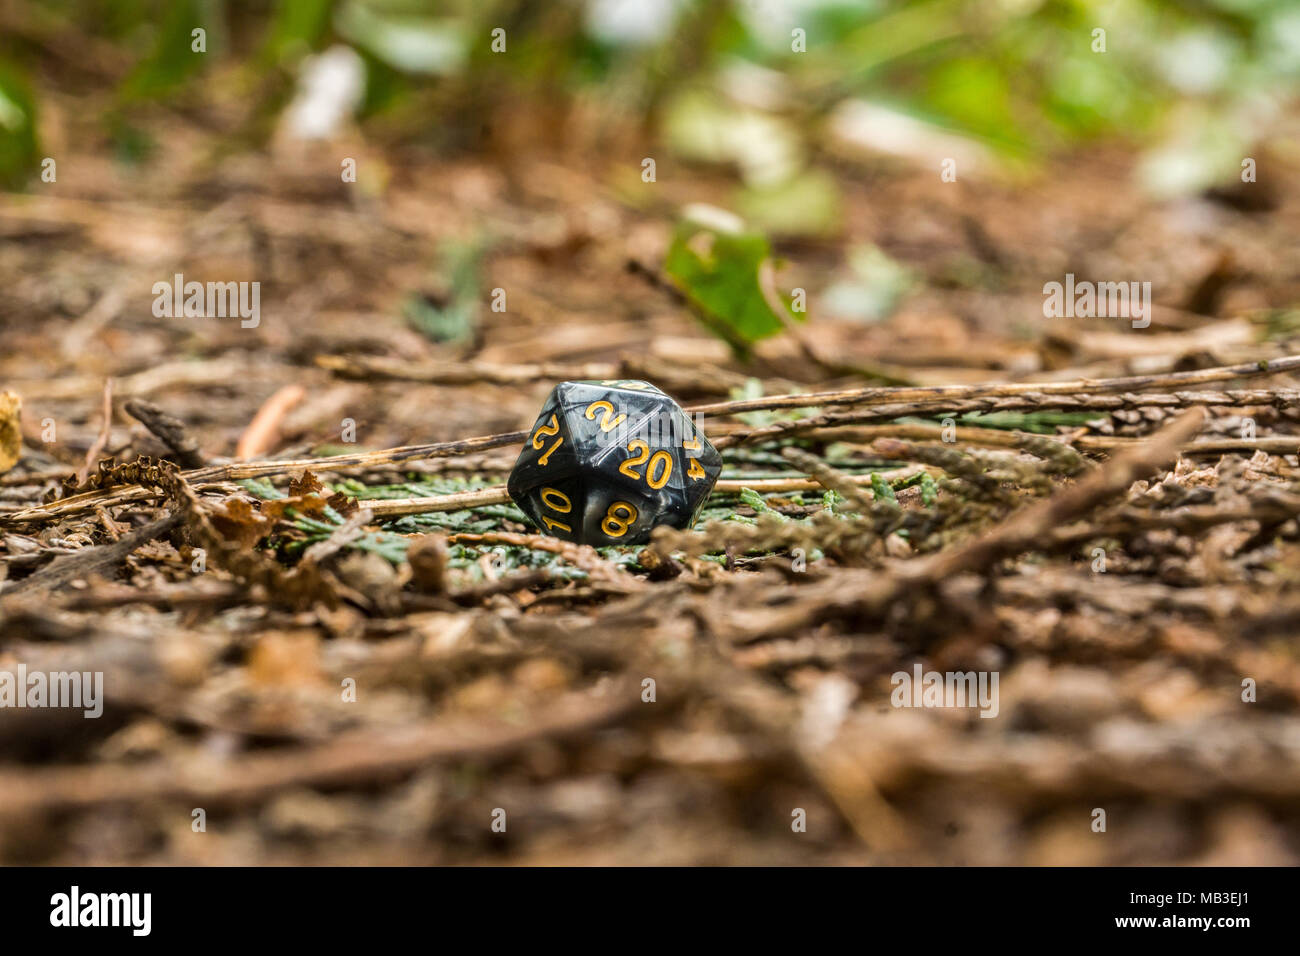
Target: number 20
x,y
657,472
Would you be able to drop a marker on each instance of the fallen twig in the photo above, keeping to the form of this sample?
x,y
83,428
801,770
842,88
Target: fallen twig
x,y
1030,525
884,395
581,556
88,561
1281,398
200,478
169,430
260,436
483,497
105,432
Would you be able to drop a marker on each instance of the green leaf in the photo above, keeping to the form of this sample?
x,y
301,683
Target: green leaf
x,y
929,490
406,39
752,498
454,317
173,60
17,128
881,490
722,274
297,27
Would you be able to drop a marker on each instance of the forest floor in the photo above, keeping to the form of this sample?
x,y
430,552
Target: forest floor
x,y
1126,563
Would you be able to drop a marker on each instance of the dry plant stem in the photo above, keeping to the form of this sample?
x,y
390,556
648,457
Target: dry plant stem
x,y
372,368
1031,525
1282,445
1025,530
708,379
832,479
460,500
1281,398
886,395
1275,509
107,308
238,471
968,434
105,431
70,567
201,478
1030,400
262,432
32,478
1000,438
110,595
482,497
169,430
160,377
581,556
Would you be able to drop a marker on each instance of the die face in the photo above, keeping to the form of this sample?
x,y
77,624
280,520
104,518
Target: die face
x,y
549,452
637,459
558,506
701,466
618,516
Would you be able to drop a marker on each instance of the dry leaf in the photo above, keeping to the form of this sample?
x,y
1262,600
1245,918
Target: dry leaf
x,y
11,433
239,521
304,485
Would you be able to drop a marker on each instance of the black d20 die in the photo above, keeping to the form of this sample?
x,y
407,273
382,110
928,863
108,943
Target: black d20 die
x,y
607,462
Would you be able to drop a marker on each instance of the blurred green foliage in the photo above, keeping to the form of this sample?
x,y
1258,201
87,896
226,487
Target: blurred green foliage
x,y
452,315
1019,77
173,58
18,153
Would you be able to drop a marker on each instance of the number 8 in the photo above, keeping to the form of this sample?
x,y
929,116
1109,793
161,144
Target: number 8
x,y
613,525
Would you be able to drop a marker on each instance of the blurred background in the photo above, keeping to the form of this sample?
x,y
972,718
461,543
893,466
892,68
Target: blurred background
x,y
938,159
885,189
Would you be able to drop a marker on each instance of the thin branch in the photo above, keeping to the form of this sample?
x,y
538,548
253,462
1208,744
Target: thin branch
x,y
1282,398
90,560
200,478
581,556
1085,386
1025,398
1031,525
483,497
105,432
169,430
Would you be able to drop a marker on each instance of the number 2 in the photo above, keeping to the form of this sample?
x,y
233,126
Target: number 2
x,y
639,459
606,421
